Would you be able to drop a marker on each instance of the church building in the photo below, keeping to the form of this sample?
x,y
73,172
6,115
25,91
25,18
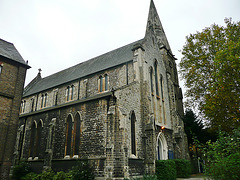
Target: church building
x,y
121,110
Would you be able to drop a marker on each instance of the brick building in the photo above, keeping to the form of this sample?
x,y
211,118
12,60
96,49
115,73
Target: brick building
x,y
12,76
121,110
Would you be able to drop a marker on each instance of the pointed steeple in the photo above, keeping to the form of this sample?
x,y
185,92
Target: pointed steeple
x,y
154,26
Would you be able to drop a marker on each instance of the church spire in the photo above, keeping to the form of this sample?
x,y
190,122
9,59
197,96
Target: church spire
x,y
154,27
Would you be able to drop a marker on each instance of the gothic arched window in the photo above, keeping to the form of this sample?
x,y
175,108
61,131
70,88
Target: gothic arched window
x,y
1,68
23,105
151,79
100,84
106,82
45,100
156,78
103,83
133,133
72,92
32,104
68,93
77,133
161,84
33,139
68,136
42,100
38,138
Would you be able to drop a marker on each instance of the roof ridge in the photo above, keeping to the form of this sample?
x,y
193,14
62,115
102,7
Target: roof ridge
x,y
92,58
8,50
94,65
6,41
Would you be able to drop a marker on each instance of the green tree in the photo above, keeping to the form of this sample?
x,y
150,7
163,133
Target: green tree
x,y
210,67
223,156
192,126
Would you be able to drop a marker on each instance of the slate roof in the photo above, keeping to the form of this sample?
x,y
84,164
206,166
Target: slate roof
x,y
97,64
9,51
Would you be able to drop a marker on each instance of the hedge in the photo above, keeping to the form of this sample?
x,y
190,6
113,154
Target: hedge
x,y
166,169
83,170
183,168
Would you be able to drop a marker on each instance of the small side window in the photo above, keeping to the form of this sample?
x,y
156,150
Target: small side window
x,y
23,105
1,67
72,93
106,82
103,83
69,93
44,100
100,84
32,104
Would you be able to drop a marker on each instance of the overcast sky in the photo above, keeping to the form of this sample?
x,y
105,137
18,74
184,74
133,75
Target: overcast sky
x,y
56,34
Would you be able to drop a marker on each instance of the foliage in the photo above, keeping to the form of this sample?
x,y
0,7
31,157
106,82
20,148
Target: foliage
x,y
193,127
223,156
83,170
210,67
62,176
149,177
30,176
47,174
183,168
20,170
196,133
165,169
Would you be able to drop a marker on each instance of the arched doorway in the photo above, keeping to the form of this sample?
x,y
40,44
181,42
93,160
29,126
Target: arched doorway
x,y
161,147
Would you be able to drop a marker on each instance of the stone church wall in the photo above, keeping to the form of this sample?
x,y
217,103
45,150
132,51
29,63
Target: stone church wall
x,y
83,88
93,136
93,107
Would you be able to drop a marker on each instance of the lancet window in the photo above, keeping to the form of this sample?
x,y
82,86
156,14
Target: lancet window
x,y
133,133
103,83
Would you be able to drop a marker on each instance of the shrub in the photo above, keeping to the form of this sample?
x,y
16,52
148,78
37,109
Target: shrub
x,y
223,156
165,169
83,170
232,166
62,176
183,168
149,177
226,168
31,176
47,174
20,170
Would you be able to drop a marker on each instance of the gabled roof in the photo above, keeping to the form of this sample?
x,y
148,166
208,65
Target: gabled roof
x,y
97,64
9,51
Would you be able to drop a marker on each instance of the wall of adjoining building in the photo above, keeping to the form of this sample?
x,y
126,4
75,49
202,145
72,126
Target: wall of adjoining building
x,y
12,79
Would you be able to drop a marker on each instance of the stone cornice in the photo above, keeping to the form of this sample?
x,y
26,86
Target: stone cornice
x,y
98,96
